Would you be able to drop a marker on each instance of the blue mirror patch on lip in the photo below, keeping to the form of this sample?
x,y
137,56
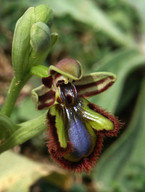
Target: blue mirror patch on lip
x,y
79,137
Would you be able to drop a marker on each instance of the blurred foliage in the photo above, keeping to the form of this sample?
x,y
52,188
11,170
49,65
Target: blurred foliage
x,y
103,36
18,173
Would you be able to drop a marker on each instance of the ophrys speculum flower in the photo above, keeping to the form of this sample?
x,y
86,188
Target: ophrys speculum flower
x,y
76,127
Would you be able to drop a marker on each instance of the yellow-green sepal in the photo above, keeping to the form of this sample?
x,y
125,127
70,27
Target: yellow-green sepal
x,y
95,119
60,124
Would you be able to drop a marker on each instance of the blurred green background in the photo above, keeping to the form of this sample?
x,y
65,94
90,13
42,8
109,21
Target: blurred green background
x,y
104,35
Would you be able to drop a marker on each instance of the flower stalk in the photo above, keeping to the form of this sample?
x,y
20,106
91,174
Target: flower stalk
x,y
13,93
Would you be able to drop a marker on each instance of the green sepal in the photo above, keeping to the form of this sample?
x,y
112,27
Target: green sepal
x,y
69,68
96,120
40,71
58,112
38,57
94,83
43,13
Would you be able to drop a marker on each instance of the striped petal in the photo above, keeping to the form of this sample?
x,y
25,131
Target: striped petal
x,y
94,83
43,97
68,67
99,119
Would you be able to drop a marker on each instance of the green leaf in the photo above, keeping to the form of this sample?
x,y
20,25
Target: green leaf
x,y
121,63
24,132
122,161
139,6
18,173
78,188
7,127
22,175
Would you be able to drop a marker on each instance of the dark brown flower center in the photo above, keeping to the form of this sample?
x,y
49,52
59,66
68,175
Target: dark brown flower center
x,y
68,94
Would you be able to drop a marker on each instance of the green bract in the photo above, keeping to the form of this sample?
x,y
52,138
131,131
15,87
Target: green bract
x,y
32,39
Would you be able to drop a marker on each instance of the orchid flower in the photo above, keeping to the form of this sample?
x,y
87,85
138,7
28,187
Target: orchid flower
x,y
76,127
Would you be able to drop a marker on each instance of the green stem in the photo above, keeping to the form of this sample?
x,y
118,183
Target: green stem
x,y
13,93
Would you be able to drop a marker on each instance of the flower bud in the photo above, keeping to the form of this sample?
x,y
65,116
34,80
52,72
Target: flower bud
x,y
31,35
40,37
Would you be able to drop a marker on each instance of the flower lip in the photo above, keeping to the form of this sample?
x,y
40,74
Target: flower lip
x,y
79,137
59,154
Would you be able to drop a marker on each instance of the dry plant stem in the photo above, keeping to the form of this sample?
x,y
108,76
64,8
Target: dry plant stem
x,y
13,93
